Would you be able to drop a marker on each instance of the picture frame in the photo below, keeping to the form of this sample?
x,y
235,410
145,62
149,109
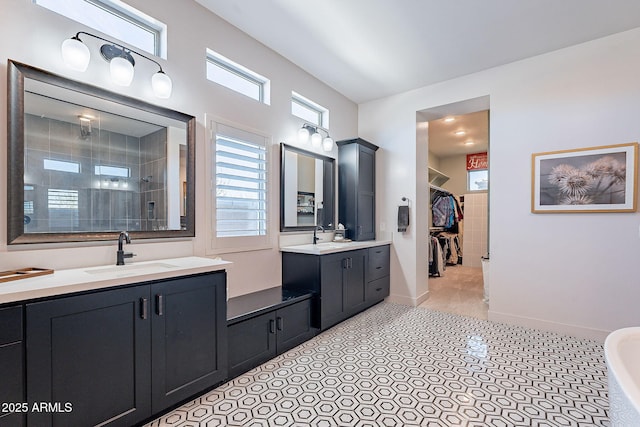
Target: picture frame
x,y
585,180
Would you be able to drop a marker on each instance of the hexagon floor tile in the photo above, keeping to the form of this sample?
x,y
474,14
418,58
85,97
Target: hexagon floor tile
x,y
395,365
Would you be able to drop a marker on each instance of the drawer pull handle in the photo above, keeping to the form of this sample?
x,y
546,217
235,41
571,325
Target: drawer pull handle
x,y
272,326
279,323
378,289
378,267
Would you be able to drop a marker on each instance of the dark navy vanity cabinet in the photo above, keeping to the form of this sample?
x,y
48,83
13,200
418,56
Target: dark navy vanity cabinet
x,y
12,411
119,356
343,283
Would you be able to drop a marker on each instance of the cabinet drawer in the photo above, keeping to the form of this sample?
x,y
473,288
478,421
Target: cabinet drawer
x,y
378,290
11,321
378,262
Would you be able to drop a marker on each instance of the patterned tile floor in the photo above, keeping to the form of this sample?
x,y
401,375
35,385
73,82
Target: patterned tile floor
x,y
395,365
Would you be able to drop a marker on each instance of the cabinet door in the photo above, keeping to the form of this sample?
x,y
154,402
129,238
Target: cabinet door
x,y
89,355
332,307
11,365
189,328
293,324
354,285
366,213
251,342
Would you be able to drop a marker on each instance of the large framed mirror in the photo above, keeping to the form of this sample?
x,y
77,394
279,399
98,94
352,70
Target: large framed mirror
x,y
84,163
307,190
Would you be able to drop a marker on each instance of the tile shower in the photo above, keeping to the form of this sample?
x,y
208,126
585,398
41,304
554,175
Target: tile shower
x,y
83,178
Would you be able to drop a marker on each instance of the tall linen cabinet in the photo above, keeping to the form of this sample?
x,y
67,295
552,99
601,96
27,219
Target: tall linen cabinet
x,y
357,188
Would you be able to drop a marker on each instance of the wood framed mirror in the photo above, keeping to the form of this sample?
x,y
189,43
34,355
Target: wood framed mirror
x,y
84,163
307,190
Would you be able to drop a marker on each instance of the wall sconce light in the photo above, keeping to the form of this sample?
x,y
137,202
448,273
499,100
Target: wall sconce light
x,y
85,126
316,138
77,56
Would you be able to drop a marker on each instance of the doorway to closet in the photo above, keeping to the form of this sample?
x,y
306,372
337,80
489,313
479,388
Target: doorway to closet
x,y
457,136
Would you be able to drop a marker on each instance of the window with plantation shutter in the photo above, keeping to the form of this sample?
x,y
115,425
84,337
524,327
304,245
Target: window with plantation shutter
x,y
240,183
63,209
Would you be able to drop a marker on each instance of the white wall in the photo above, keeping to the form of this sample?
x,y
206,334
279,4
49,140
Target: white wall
x,y
573,273
455,167
33,35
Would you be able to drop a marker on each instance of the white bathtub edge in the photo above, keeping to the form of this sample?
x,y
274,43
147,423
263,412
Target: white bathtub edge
x,y
624,389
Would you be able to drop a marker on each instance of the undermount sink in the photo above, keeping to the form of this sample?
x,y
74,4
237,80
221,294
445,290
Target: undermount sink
x,y
329,245
118,270
323,248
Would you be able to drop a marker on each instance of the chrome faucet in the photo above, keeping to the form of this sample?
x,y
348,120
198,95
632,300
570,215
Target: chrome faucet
x,y
315,236
121,254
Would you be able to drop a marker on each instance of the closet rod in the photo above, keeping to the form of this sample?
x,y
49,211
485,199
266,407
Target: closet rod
x,y
442,190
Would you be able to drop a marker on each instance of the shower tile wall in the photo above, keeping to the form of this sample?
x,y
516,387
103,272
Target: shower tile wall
x,y
103,202
475,231
153,182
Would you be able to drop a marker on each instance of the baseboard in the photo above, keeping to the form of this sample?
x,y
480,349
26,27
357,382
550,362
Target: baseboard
x,y
413,302
546,325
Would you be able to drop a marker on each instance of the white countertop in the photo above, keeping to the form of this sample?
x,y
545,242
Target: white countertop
x,y
332,247
92,278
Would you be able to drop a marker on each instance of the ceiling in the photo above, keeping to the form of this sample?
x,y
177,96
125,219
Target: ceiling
x,y
369,49
445,142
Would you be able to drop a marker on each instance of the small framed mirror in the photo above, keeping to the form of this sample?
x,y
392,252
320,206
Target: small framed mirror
x,y
85,163
307,190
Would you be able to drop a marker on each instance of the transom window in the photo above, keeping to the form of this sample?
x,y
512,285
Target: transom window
x,y
309,111
236,77
117,19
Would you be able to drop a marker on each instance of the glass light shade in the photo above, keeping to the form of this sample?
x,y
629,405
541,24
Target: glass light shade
x,y
327,144
75,54
316,140
303,135
162,85
121,71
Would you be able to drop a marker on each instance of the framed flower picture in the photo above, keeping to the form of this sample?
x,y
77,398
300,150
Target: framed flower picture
x,y
597,179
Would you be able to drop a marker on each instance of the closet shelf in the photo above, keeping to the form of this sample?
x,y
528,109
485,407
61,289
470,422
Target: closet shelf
x,y
436,177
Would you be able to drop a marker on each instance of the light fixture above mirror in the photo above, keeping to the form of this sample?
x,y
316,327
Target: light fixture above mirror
x,y
76,55
309,131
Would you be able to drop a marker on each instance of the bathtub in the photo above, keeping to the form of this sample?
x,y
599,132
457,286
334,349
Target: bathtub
x,y
622,354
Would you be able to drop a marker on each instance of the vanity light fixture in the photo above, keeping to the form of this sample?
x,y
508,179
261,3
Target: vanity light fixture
x,y
121,63
449,119
316,138
85,126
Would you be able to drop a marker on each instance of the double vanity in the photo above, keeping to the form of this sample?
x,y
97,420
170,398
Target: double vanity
x,y
120,344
